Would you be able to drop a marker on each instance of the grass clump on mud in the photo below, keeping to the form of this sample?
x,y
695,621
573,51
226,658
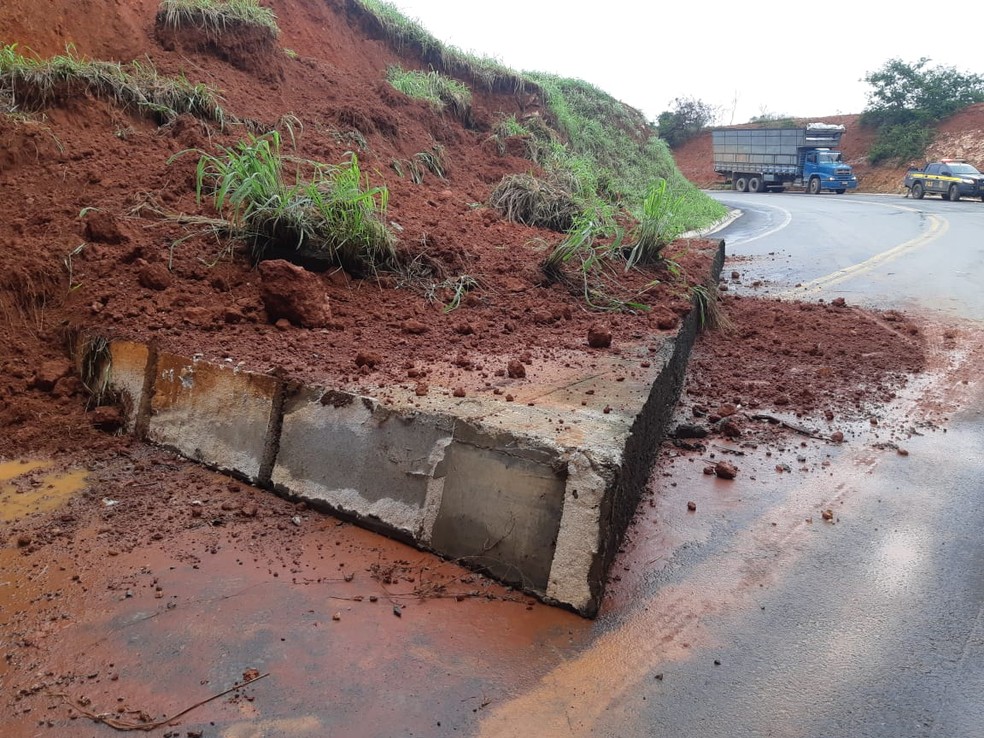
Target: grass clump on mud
x,y
216,16
327,215
535,201
444,93
603,166
35,83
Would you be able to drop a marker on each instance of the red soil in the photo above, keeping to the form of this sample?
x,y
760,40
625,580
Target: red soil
x,y
87,173
140,276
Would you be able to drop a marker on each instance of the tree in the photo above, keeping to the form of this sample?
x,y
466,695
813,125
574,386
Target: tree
x,y
905,101
904,92
688,117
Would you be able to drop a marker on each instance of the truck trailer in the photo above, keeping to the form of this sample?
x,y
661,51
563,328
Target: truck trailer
x,y
772,159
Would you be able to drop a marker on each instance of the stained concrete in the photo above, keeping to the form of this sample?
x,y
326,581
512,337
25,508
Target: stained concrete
x,y
213,413
538,492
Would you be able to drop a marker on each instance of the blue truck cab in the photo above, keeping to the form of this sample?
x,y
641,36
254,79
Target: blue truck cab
x,y
825,168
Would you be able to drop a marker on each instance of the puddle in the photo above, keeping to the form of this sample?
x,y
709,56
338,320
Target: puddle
x,y
25,488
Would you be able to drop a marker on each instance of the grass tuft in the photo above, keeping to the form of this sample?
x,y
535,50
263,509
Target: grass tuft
x,y
329,214
657,225
214,17
534,201
35,83
443,92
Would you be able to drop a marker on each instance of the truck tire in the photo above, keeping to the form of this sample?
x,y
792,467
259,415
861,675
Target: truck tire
x,y
741,184
755,184
918,191
814,186
954,193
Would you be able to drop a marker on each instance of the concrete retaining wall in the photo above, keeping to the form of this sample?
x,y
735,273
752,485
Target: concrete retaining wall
x,y
500,486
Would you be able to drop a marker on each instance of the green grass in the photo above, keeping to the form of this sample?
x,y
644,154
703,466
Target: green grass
x,y
608,155
443,92
657,224
408,34
216,16
330,212
34,83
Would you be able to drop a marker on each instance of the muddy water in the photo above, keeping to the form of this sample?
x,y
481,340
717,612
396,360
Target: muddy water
x,y
29,486
163,626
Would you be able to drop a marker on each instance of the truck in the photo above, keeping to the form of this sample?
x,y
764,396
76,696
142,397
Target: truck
x,y
772,159
951,179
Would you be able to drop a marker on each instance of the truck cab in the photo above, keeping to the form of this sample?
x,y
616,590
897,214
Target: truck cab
x,y
824,169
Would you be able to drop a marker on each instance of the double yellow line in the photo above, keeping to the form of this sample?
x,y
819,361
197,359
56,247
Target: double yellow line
x,y
937,227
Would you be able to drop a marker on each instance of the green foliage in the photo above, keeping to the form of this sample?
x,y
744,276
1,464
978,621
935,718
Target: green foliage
x,y
328,213
907,99
902,142
407,34
688,117
443,92
773,120
36,83
215,16
657,225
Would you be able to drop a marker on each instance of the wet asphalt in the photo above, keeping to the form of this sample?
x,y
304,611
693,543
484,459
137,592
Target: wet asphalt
x,y
754,616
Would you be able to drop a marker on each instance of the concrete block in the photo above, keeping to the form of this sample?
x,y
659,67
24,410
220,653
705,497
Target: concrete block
x,y
127,376
383,466
214,414
501,505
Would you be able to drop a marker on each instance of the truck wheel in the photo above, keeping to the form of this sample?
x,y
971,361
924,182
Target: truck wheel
x,y
954,193
755,184
814,188
741,184
918,191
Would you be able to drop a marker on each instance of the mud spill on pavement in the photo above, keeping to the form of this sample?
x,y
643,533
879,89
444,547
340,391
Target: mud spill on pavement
x,y
350,626
25,490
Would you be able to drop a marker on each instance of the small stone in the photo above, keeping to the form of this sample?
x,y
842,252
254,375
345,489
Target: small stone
x,y
421,389
902,452
692,506
459,392
368,358
336,617
839,302
516,370
725,470
837,437
599,336
414,327
827,515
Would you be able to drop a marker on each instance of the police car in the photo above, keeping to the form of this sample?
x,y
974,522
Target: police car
x,y
951,179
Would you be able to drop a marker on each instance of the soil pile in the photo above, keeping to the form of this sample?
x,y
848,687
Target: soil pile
x,y
104,232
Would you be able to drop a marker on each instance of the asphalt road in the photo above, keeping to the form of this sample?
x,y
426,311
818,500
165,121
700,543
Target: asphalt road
x,y
753,617
880,250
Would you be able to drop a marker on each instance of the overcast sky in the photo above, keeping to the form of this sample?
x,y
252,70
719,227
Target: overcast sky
x,y
746,58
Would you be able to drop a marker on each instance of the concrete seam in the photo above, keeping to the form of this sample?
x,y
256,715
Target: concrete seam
x,y
271,444
142,421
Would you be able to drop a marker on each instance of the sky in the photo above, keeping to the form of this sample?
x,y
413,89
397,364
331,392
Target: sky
x,y
744,58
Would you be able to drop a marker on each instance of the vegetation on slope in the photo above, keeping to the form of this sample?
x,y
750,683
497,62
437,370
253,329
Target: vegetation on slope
x,y
327,214
907,99
32,83
215,16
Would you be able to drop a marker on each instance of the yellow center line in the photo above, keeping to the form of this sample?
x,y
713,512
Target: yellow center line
x,y
937,227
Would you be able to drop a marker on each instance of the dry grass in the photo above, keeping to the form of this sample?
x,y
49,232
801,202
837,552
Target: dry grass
x,y
532,201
